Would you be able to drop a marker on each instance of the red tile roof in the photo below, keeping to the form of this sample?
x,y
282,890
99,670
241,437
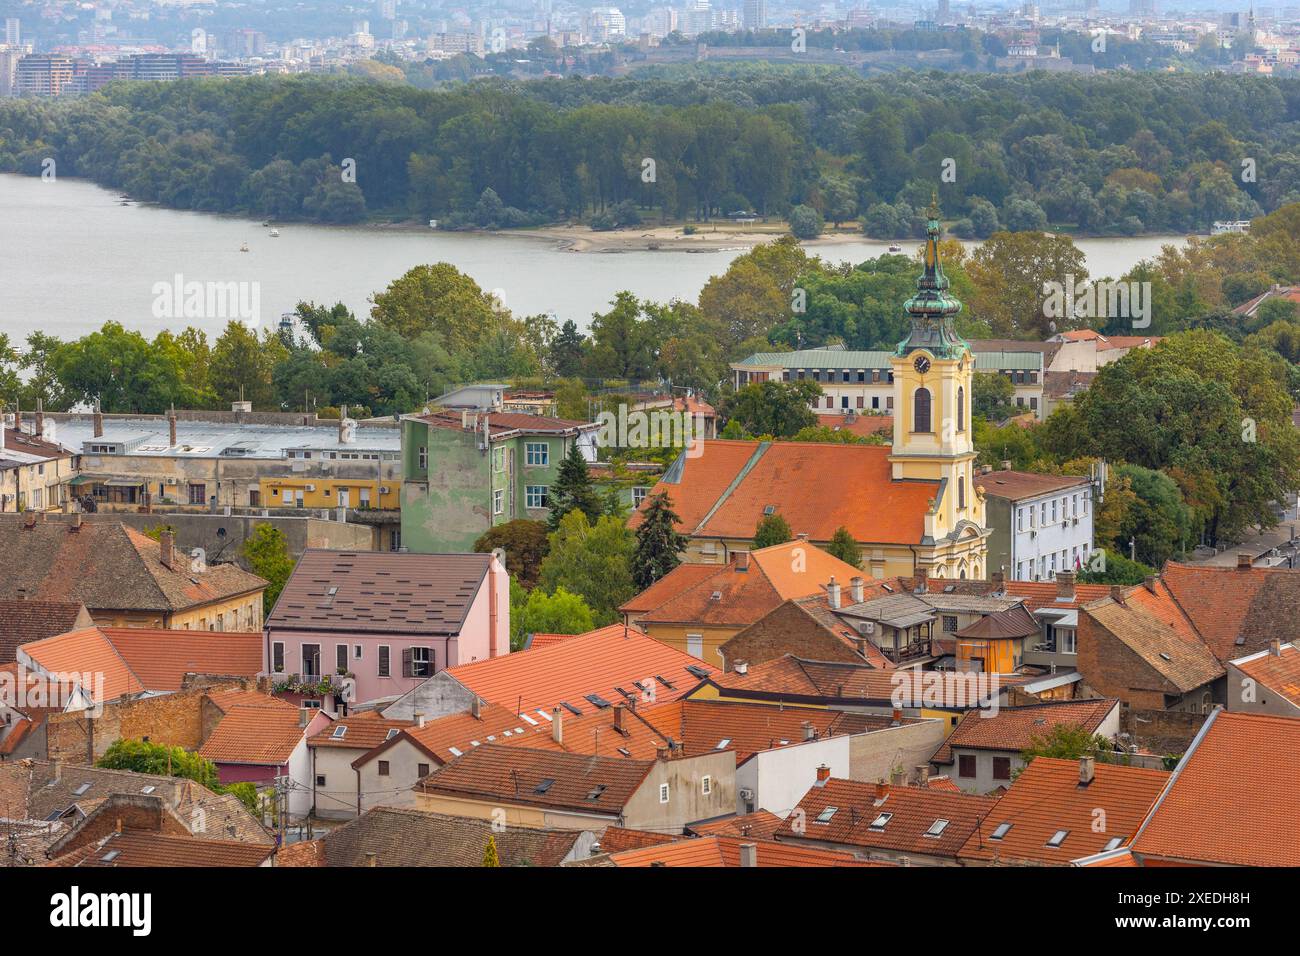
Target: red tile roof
x,y
1236,611
595,663
1014,728
864,426
361,731
87,651
679,579
748,588
1047,797
760,825
459,731
255,734
1018,485
520,775
719,851
1278,672
162,658
617,839
723,492
914,812
1184,662
1231,801
133,848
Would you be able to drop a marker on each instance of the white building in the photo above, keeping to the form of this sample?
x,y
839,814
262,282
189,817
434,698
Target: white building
x,y
1040,524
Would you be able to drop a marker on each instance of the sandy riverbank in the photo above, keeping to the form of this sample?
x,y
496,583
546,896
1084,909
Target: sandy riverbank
x,y
709,237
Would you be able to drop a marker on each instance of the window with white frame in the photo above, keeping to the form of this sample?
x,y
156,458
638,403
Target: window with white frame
x,y
706,785
424,458
537,453
535,496
663,793
638,495
498,501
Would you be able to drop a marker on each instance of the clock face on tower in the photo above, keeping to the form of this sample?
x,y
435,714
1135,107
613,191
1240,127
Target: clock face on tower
x,y
922,364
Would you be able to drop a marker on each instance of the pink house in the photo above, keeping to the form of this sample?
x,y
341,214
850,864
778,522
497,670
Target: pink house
x,y
378,623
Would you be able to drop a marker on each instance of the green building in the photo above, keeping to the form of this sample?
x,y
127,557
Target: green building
x,y
467,466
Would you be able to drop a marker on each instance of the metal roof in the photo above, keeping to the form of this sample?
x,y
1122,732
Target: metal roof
x,y
1000,360
150,438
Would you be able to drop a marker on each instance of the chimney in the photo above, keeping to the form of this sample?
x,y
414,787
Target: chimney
x,y
897,778
920,583
1117,593
1149,582
171,427
1244,562
371,859
1087,770
1065,585
749,854
475,708
742,561
833,592
823,773
897,717
1275,647
619,726
741,667
557,725
167,550
40,418
856,590
117,825
999,580
99,421
809,732
923,775
882,791
22,594
419,719
1006,465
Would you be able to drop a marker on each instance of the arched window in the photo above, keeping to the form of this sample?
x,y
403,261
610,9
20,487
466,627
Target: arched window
x,y
961,409
921,410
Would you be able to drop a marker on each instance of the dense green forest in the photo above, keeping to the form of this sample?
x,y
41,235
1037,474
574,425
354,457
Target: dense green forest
x,y
1114,153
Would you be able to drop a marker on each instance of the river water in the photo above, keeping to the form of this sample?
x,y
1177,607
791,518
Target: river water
x,y
73,256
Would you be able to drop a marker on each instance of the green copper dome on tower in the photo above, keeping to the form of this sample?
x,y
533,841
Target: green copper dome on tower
x,y
932,308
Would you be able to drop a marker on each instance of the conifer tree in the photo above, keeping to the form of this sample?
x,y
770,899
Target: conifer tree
x,y
573,488
658,543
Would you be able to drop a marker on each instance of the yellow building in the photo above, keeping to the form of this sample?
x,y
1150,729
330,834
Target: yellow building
x,y
316,492
912,507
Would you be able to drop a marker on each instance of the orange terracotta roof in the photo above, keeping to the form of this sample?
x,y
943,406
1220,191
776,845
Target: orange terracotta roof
x,y
161,658
87,651
760,825
521,775
617,839
679,579
263,735
38,696
595,663
1231,800
1185,664
142,848
1045,594
539,640
1278,672
704,726
1121,857
448,737
864,426
746,589
913,812
1014,728
361,731
723,492
1236,611
1047,798
1018,485
719,851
